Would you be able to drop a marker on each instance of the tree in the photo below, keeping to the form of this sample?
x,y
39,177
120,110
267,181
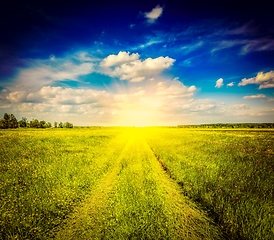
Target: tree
x,y
48,125
23,122
60,125
68,125
6,120
2,124
42,124
55,124
13,123
34,123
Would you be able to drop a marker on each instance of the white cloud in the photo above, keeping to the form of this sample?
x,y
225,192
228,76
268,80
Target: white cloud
x,y
129,67
264,80
120,58
154,14
230,84
254,96
219,83
41,74
17,96
175,89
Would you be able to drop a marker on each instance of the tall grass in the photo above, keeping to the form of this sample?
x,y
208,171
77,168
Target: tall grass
x,y
94,183
44,174
229,173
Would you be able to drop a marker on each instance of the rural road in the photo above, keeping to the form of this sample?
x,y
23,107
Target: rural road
x,y
136,199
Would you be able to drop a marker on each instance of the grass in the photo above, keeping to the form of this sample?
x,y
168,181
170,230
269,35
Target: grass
x,y
229,173
136,183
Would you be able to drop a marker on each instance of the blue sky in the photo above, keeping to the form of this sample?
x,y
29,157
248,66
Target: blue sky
x,y
137,62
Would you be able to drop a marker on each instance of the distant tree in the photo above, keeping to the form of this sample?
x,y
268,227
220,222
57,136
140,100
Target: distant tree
x,y
6,120
55,124
13,123
23,122
42,124
48,125
2,124
34,123
60,125
68,125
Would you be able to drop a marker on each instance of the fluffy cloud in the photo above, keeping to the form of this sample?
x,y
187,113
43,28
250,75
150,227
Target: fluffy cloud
x,y
131,68
174,89
219,83
230,84
154,14
120,58
264,80
254,96
152,103
17,96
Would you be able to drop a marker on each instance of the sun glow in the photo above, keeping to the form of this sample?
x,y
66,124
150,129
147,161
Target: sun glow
x,y
138,107
138,117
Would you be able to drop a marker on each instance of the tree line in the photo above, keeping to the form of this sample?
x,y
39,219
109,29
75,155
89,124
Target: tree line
x,y
230,125
10,121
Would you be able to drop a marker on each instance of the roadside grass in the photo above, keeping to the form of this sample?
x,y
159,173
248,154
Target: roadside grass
x,y
229,173
44,174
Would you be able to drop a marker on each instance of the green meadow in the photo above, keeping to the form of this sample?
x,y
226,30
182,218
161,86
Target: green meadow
x,y
136,183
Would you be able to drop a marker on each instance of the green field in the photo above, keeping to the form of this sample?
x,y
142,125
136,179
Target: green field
x,y
136,183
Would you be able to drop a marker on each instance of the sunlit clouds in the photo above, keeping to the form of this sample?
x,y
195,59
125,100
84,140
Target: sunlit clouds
x,y
264,80
148,98
137,63
131,68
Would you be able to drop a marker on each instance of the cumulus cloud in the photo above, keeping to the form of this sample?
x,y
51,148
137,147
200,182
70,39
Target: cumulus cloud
x,y
264,80
230,84
120,58
175,89
17,96
131,68
154,14
219,83
254,96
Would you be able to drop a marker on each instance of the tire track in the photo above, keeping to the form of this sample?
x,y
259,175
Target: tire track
x,y
87,221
